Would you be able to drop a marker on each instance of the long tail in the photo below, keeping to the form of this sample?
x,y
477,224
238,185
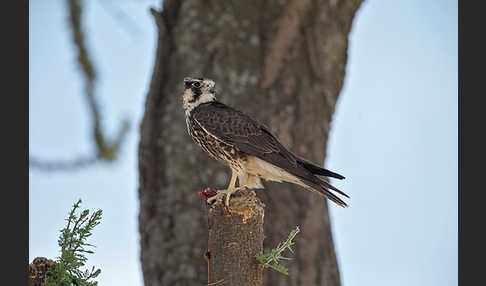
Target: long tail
x,y
304,174
322,188
316,170
318,185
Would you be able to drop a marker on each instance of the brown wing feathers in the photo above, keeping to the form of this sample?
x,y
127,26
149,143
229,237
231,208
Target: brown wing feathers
x,y
238,129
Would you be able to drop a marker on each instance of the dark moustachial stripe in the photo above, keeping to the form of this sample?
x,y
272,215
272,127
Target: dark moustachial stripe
x,y
197,92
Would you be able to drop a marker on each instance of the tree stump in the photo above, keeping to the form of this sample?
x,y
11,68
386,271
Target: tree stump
x,y
38,269
235,237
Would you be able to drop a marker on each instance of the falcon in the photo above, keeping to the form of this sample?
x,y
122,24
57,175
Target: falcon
x,y
246,146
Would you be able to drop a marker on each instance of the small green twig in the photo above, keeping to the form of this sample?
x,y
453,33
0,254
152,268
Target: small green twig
x,y
272,258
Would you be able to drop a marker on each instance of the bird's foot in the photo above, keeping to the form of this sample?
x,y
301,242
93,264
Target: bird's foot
x,y
219,196
221,193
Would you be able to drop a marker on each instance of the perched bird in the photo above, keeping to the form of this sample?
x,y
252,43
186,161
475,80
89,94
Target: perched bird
x,y
246,146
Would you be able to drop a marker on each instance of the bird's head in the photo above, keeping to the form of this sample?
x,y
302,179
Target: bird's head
x,y
197,91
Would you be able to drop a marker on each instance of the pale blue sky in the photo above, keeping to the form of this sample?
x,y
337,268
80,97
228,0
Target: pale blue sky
x,y
394,137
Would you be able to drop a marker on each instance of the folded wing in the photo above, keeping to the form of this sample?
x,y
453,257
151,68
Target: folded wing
x,y
246,135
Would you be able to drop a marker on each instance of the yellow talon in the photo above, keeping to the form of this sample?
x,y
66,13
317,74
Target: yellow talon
x,y
228,192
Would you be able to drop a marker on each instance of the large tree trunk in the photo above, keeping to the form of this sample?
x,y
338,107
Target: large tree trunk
x,y
283,63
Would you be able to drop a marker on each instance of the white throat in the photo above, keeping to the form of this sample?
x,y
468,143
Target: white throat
x,y
203,98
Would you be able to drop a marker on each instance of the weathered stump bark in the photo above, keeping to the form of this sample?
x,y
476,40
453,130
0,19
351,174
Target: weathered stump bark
x,y
235,237
38,269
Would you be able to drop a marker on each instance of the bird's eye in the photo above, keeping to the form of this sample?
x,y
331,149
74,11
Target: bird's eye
x,y
196,84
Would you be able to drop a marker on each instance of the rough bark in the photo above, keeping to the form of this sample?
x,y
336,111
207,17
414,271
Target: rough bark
x,y
283,63
235,237
38,270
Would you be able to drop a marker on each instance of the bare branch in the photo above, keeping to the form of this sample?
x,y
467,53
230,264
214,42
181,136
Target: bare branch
x,y
61,165
128,24
106,150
